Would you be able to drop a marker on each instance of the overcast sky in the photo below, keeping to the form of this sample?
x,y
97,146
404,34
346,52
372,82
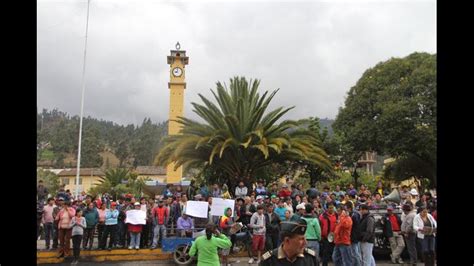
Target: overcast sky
x,y
313,51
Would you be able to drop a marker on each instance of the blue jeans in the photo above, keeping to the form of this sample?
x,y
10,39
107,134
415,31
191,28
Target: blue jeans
x,y
156,233
314,245
342,255
134,240
48,233
428,244
366,251
356,256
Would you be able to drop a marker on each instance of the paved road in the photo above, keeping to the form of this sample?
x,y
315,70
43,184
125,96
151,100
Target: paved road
x,y
243,262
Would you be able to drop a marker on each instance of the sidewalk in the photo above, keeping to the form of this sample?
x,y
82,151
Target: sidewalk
x,y
162,261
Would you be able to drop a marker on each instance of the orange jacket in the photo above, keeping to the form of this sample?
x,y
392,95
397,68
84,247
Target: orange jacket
x,y
342,233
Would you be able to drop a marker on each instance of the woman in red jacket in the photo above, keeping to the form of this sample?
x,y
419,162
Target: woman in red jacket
x,y
342,254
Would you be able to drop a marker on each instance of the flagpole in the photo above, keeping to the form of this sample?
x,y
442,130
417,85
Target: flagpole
x,y
82,105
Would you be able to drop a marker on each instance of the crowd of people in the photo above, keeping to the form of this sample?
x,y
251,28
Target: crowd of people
x,y
340,225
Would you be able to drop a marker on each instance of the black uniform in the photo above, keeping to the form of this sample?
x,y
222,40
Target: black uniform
x,y
277,257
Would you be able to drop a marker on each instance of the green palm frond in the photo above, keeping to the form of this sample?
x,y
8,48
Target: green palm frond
x,y
239,134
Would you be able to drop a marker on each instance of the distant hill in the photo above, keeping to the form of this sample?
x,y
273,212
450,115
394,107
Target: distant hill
x,y
104,143
325,122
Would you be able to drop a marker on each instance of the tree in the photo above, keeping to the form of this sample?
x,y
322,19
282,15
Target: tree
x,y
314,172
112,182
136,184
50,180
146,142
122,152
392,110
411,166
57,135
91,147
238,137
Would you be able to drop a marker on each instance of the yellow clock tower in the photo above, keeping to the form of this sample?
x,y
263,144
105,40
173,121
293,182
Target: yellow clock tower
x,y
177,61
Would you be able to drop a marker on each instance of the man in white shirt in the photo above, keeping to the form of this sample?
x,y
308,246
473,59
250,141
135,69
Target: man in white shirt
x,y
241,190
257,222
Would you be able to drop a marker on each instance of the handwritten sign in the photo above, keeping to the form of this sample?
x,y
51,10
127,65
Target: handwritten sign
x,y
135,217
197,208
219,205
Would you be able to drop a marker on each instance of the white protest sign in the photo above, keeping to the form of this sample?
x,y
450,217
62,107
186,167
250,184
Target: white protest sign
x,y
218,206
197,208
135,217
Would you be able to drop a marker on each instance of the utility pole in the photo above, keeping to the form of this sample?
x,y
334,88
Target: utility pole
x,y
82,105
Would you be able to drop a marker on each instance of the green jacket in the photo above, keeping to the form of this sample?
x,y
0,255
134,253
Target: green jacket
x,y
313,229
207,249
92,217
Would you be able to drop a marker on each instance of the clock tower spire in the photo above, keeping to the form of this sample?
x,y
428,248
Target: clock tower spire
x,y
177,61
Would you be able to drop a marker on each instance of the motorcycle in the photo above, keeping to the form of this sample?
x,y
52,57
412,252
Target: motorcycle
x,y
242,240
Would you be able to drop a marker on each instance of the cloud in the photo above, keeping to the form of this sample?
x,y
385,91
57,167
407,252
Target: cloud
x,y
313,51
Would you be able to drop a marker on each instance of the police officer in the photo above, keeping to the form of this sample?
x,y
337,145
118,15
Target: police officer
x,y
292,250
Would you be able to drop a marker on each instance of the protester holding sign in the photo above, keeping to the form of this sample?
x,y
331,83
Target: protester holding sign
x,y
219,205
226,223
135,220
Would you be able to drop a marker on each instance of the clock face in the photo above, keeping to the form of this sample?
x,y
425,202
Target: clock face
x,y
177,72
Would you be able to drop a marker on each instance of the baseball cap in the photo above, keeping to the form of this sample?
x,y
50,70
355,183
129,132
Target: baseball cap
x,y
136,203
300,206
259,197
414,192
113,203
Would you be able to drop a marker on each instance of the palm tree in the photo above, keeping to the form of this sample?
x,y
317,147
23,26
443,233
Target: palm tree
x,y
112,182
239,137
137,184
